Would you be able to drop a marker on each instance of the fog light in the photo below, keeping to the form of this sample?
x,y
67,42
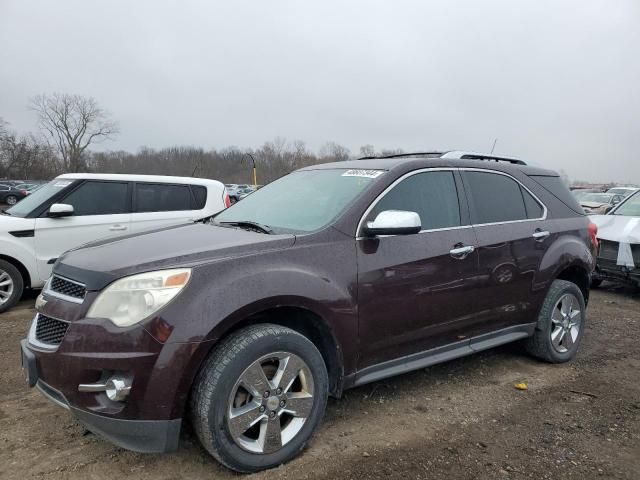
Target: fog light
x,y
117,388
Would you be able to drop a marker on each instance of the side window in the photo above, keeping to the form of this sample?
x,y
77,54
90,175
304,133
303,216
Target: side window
x,y
494,198
534,209
99,198
432,195
200,196
158,197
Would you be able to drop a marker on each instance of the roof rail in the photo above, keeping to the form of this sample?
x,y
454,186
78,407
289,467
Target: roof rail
x,y
400,155
482,156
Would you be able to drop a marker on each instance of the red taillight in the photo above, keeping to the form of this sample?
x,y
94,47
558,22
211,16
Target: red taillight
x,y
24,192
227,200
593,234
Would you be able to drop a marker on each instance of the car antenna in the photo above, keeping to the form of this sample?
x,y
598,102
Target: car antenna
x,y
195,168
494,144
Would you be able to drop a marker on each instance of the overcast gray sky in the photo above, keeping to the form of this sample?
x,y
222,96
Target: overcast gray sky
x,y
555,81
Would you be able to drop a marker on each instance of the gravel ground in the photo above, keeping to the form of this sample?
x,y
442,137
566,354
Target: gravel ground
x,y
460,420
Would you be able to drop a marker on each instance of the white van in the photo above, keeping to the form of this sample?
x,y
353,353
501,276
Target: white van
x,y
74,209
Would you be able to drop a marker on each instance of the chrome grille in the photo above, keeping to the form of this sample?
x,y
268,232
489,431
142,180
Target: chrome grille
x,y
67,287
49,330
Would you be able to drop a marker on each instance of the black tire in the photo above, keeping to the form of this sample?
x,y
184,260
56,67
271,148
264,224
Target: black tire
x,y
11,199
596,282
215,383
18,285
540,344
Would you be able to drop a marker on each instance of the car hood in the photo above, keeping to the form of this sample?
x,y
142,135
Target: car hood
x,y
617,228
100,263
593,204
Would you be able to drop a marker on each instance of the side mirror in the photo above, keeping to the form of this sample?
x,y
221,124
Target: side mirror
x,y
394,222
58,210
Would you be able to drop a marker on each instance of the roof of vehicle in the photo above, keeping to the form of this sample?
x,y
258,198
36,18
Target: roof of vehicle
x,y
438,159
140,178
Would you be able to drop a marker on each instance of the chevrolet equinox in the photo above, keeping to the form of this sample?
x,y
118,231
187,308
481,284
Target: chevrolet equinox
x,y
331,277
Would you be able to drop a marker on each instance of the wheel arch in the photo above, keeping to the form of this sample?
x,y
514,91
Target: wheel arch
x,y
26,278
302,319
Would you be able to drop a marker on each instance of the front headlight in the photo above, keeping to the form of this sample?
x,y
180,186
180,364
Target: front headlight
x,y
131,299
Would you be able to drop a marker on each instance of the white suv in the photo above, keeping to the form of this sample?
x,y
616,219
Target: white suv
x,y
74,209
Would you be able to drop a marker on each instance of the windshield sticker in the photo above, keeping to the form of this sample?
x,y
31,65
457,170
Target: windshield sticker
x,y
62,183
363,173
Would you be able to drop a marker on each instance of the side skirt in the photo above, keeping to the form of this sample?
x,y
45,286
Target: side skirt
x,y
442,354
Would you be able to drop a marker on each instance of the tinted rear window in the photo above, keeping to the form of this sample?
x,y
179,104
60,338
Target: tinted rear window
x,y
200,196
494,198
558,189
158,197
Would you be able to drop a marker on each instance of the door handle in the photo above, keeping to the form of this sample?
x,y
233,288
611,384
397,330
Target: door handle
x,y
460,253
117,228
540,235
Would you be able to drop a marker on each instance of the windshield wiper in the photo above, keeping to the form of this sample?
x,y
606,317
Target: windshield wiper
x,y
252,225
5,212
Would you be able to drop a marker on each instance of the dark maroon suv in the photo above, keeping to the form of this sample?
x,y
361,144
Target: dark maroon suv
x,y
331,277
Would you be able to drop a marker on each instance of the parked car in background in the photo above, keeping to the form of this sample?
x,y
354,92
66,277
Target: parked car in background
x,y
28,187
78,208
238,192
599,203
331,277
578,193
624,191
10,194
619,237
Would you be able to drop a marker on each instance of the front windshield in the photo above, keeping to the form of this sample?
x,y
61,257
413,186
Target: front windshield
x,y
302,201
597,198
630,208
25,206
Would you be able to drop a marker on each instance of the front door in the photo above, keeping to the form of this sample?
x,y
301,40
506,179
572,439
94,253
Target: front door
x,y
101,210
413,290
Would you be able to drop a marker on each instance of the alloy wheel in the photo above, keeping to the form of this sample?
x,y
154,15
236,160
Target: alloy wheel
x,y
11,200
270,402
6,286
566,321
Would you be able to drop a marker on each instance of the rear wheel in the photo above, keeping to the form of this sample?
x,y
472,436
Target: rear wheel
x,y
259,397
560,324
11,199
11,285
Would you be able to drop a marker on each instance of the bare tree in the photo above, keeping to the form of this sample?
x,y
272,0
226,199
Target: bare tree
x,y
72,123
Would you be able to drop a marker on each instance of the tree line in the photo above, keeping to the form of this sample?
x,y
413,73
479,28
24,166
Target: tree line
x,y
68,125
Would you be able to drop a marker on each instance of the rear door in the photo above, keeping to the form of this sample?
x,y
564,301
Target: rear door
x,y
509,224
101,210
158,205
413,289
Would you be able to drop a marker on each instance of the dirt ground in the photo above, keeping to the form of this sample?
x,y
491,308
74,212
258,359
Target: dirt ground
x,y
460,420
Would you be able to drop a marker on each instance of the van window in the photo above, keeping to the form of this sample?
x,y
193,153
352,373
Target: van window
x,y
200,196
432,195
494,198
159,197
99,198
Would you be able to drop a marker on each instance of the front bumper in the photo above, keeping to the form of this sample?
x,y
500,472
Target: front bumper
x,y
146,436
606,270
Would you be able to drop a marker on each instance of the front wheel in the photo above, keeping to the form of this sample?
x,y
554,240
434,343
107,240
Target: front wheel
x,y
259,397
560,324
11,285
